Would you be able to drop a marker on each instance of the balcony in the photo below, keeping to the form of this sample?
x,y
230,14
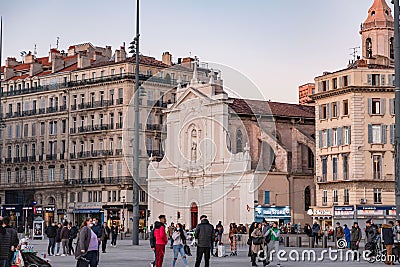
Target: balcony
x,y
51,157
32,158
17,159
120,101
24,159
118,152
119,125
102,180
72,130
40,157
63,108
42,110
91,154
155,153
154,127
8,160
91,128
156,104
52,109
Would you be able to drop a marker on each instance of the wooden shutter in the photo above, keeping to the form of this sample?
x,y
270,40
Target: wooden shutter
x,y
369,79
384,134
349,135
383,106
340,82
390,80
320,139
392,133
383,79
369,106
329,137
391,106
328,110
320,112
319,86
348,80
369,133
327,85
338,109
339,136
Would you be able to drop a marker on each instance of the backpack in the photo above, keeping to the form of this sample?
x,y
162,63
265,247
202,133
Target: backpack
x,y
73,233
152,239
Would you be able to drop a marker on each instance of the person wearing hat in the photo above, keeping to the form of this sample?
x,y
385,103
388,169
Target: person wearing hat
x,y
347,234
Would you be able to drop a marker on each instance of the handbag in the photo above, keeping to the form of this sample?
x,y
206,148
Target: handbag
x,y
249,242
258,240
186,248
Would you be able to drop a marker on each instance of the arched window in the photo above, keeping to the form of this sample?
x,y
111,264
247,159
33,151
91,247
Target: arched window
x,y
307,198
25,175
9,176
368,48
33,174
62,172
52,201
239,141
17,175
391,45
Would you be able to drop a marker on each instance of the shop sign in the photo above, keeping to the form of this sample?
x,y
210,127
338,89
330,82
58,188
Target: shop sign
x,y
271,212
347,211
376,210
322,212
49,209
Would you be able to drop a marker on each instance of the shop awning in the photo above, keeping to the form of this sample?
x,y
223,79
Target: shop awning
x,y
86,211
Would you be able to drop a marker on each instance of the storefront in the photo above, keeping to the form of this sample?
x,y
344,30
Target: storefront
x,y
61,215
14,213
343,215
280,215
49,215
78,212
322,216
380,214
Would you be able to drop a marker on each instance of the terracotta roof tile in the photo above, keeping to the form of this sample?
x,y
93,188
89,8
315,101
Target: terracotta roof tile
x,y
24,66
259,107
18,77
43,73
69,68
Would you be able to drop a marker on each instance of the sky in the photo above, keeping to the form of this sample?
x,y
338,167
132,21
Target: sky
x,y
278,45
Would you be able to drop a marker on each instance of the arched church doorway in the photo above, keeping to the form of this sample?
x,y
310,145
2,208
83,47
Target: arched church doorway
x,y
194,215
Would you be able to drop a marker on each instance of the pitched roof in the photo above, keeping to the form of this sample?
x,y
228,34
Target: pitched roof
x,y
260,107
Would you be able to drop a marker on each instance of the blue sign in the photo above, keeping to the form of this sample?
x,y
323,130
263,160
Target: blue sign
x,y
376,207
261,213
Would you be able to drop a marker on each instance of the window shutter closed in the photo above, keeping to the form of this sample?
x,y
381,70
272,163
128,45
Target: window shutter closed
x,y
327,85
384,133
328,110
369,133
369,79
383,106
337,108
320,112
369,106
348,80
383,79
319,86
320,139
340,82
329,137
391,106
390,80
392,134
340,136
349,135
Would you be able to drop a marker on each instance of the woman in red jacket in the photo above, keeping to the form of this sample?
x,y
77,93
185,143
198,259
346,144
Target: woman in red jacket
x,y
161,239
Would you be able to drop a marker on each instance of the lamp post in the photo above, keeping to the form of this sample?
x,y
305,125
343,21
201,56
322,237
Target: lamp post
x,y
135,196
397,105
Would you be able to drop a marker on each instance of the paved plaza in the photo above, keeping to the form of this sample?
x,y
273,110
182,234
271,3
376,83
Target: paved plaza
x,y
140,256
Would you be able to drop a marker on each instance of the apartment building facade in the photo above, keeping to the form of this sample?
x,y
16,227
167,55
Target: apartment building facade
x,y
63,154
355,130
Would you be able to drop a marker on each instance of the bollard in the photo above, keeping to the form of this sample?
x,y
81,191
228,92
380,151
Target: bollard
x,y
311,242
298,243
325,242
287,241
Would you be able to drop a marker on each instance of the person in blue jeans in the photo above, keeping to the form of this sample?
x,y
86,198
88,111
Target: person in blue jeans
x,y
179,240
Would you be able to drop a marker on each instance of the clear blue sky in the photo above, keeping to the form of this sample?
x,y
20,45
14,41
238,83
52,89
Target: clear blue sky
x,y
277,44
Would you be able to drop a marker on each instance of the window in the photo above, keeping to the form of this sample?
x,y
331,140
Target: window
x,y
335,83
368,46
345,107
9,132
391,47
346,196
73,173
310,159
267,197
8,176
114,196
110,170
335,137
377,167
323,112
346,135
42,129
307,198
335,197
33,178
51,173
325,138
72,197
90,196
377,134
335,112
94,196
33,129
119,170
79,196
334,168
33,150
324,197
377,195
100,171
239,141
62,173
18,131
91,171
64,126
100,196
345,166
41,174
109,196
112,96
375,106
324,169
325,85
26,130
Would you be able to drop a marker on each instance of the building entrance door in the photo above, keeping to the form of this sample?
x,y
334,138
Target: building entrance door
x,y
194,215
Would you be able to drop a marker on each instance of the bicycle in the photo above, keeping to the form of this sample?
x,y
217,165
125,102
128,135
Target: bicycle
x,y
376,250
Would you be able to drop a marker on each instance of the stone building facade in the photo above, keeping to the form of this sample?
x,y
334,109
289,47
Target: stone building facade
x,y
62,151
355,129
235,160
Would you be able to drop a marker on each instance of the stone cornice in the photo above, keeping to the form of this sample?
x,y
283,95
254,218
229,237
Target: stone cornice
x,y
352,89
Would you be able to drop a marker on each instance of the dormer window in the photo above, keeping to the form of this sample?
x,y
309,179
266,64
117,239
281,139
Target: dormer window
x,y
373,13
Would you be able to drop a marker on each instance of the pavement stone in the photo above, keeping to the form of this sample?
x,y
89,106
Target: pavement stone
x,y
140,256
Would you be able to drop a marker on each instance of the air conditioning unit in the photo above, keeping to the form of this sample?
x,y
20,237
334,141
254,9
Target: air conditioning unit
x,y
363,201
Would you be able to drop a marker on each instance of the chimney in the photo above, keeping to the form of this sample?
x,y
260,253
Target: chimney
x,y
108,52
53,52
120,54
83,61
167,58
29,58
11,62
57,63
35,68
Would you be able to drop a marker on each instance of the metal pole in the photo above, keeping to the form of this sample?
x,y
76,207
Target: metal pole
x,y
135,197
397,106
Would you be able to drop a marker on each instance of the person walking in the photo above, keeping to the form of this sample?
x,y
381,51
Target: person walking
x,y
315,231
96,228
58,239
274,236
347,235
355,237
51,233
205,235
105,235
249,241
388,240
179,240
233,232
171,230
87,245
257,243
14,237
64,235
114,234
73,232
5,246
161,239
